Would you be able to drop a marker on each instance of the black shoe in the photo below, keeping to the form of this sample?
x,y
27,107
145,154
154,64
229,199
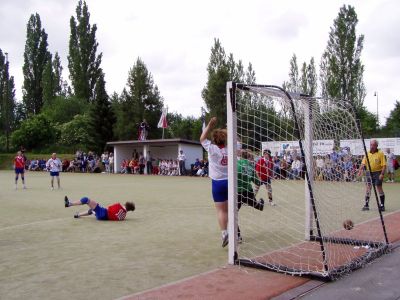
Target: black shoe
x,y
76,216
240,239
261,204
365,208
382,208
66,201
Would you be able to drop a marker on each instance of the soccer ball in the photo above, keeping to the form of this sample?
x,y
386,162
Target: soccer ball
x,y
348,224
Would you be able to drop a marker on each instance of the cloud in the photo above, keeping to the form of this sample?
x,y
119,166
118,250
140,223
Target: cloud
x,y
174,39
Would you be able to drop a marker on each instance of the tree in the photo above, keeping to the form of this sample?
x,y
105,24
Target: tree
x,y
140,100
341,66
76,133
7,99
393,121
64,109
101,117
36,57
312,81
293,85
48,83
36,132
83,62
219,72
58,79
308,79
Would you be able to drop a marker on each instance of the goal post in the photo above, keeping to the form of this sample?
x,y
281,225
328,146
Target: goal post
x,y
309,186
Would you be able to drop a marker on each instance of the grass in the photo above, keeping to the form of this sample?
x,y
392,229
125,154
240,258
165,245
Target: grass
x,y
47,254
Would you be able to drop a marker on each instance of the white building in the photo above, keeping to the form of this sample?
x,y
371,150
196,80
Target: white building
x,y
162,149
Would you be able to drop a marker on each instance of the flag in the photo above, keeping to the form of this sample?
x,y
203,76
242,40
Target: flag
x,y
163,120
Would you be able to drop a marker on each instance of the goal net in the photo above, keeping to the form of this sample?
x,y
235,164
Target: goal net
x,y
300,156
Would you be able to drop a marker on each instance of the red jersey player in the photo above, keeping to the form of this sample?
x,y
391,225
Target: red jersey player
x,y
19,167
264,173
114,212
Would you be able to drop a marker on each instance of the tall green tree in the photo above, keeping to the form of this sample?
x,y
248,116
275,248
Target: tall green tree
x,y
293,85
58,79
308,79
220,70
48,82
101,117
393,121
341,65
83,60
36,57
140,100
7,99
183,127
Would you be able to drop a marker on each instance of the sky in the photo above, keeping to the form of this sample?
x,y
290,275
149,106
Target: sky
x,y
174,39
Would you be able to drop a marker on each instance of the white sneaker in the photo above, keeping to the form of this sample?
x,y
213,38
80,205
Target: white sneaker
x,y
388,180
272,203
225,240
52,188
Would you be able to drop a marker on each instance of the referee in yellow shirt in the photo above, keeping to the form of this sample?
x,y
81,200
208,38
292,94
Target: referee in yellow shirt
x,y
375,175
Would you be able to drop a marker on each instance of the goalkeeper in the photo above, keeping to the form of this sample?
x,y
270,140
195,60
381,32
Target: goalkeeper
x,y
246,176
114,212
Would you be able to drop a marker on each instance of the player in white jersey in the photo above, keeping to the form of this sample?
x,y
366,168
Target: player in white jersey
x,y
54,165
218,172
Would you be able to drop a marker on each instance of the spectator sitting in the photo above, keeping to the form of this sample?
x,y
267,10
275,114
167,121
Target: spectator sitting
x,y
196,167
65,165
124,167
34,165
296,168
42,164
200,171
205,169
97,167
72,166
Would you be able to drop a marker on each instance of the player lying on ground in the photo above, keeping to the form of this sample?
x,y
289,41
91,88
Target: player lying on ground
x,y
114,212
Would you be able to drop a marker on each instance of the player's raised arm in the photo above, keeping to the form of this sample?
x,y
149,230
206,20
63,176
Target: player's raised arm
x,y
209,127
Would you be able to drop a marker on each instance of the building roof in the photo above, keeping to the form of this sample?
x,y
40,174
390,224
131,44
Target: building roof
x,y
158,142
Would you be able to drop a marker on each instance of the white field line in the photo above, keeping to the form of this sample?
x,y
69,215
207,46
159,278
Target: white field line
x,y
32,223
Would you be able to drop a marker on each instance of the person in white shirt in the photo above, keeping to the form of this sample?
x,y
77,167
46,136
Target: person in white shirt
x,y
54,166
390,157
218,172
296,168
182,159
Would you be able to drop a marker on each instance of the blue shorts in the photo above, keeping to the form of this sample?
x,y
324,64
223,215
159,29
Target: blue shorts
x,y
220,190
101,213
19,170
54,173
373,178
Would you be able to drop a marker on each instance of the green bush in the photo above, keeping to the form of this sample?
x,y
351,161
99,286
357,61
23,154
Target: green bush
x,y
35,133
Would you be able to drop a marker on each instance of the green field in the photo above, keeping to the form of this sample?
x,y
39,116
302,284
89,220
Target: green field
x,y
47,254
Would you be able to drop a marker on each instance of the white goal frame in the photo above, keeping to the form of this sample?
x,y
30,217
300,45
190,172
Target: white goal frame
x,y
311,213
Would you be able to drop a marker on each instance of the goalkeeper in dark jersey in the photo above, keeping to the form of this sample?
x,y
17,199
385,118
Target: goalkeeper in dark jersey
x,y
246,176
